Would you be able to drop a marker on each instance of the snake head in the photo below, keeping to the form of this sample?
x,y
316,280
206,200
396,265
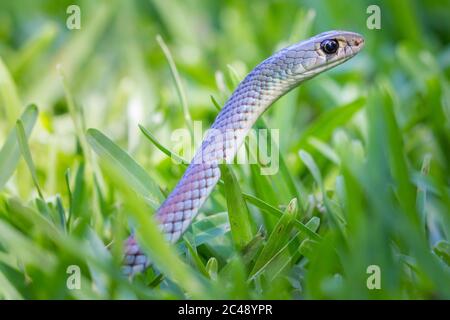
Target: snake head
x,y
322,52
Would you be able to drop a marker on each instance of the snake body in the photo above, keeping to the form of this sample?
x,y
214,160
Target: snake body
x,y
267,82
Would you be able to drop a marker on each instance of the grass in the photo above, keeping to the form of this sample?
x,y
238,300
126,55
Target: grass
x,y
86,152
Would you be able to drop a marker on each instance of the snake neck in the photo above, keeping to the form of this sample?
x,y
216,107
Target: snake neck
x,y
263,86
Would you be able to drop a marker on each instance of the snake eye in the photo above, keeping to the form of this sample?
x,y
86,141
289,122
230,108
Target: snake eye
x,y
329,46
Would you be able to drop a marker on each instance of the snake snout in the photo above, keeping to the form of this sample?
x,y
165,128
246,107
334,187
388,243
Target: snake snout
x,y
356,41
359,41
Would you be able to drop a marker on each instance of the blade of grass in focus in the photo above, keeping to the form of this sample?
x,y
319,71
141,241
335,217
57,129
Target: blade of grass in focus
x,y
136,176
240,219
25,150
10,151
177,80
278,237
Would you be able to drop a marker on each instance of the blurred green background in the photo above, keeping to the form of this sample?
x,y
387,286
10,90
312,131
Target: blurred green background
x,y
365,151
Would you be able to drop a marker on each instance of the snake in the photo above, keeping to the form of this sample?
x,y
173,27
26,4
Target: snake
x,y
266,83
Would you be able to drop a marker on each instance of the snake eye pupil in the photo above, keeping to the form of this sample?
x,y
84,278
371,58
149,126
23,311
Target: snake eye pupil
x,y
329,46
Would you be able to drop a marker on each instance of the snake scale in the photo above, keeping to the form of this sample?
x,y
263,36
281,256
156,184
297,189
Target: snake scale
x,y
267,82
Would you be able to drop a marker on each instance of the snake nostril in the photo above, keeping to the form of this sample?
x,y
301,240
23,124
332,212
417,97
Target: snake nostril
x,y
358,41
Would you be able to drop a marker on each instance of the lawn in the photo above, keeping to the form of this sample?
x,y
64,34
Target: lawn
x,y
357,208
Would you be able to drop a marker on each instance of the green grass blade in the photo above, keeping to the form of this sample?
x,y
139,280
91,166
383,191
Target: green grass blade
x,y
422,191
324,149
309,162
323,127
234,76
7,289
76,115
61,213
286,176
278,213
135,175
165,150
10,152
252,249
264,189
25,150
34,47
208,228
195,257
400,173
278,237
215,103
212,266
240,222
312,166
288,254
8,94
442,249
24,248
177,79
